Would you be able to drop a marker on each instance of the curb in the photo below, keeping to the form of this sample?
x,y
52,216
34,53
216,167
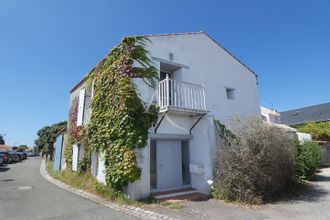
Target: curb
x,y
130,210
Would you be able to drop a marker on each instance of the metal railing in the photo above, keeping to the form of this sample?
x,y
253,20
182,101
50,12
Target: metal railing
x,y
180,95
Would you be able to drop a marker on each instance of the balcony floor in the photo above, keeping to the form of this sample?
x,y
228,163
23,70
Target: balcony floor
x,y
182,111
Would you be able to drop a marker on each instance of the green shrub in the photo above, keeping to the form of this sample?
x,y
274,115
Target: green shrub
x,y
307,159
255,162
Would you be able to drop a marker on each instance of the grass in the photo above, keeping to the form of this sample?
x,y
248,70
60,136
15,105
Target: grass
x,y
88,183
171,204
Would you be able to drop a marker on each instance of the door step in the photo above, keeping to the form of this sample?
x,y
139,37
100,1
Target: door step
x,y
180,194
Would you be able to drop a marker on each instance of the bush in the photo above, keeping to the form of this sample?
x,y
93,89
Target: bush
x,y
307,159
255,161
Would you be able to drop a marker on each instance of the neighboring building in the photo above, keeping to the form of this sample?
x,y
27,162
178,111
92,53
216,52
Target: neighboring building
x,y
274,118
5,147
315,113
271,116
200,82
58,162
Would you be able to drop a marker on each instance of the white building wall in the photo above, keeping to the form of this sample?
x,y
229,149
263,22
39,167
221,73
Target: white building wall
x,y
200,154
205,62
141,188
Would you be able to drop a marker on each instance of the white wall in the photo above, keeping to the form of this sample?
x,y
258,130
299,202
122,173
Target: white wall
x,y
141,188
208,64
303,137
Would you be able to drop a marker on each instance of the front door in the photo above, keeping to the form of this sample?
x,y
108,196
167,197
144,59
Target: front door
x,y
169,164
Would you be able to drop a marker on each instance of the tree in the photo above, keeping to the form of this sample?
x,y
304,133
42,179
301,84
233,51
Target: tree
x,y
23,146
319,130
254,163
2,140
47,137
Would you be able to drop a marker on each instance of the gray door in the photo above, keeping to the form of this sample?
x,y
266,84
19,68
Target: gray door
x,y
169,164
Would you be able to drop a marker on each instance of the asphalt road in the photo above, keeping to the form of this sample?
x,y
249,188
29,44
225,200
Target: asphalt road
x,y
313,203
24,194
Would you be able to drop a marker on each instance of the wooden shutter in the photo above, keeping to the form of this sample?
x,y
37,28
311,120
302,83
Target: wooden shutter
x,y
81,107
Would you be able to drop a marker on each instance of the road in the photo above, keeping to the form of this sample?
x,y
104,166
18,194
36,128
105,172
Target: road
x,y
313,203
24,194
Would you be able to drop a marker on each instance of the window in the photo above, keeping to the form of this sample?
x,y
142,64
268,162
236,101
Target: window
x,y
230,93
185,162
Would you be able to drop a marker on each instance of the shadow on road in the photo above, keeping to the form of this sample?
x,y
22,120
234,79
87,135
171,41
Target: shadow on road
x,y
321,178
312,193
4,168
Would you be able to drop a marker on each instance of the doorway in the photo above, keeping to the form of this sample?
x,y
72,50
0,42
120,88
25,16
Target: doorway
x,y
169,164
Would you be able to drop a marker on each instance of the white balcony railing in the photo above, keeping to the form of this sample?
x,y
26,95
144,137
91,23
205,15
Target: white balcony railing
x,y
179,95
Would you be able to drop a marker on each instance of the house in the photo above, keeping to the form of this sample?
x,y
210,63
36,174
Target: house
x,y
315,113
272,117
5,147
199,82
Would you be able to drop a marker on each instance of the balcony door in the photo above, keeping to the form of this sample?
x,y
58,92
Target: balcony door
x,y
162,75
167,94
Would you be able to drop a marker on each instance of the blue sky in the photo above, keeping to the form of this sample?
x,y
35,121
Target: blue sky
x,y
47,46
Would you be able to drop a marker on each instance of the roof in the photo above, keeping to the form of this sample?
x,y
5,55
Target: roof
x,y
62,131
315,113
5,147
285,127
176,34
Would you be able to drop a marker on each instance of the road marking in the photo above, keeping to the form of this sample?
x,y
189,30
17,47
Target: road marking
x,y
24,187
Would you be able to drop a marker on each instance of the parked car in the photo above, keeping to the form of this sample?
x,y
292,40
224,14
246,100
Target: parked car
x,y
22,155
25,154
1,160
7,158
15,156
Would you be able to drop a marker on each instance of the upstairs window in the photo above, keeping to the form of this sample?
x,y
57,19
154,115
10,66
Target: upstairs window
x,y
230,93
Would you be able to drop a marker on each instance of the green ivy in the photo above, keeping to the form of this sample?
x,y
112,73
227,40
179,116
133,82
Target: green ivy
x,y
77,135
120,120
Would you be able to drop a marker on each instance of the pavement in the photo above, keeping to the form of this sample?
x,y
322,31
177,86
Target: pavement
x,y
25,194
313,203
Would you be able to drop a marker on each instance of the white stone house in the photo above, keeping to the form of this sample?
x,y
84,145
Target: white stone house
x,y
273,117
200,82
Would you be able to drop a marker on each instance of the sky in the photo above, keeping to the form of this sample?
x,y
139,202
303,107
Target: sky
x,y
46,46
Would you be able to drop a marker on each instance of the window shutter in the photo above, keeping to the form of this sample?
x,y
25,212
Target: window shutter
x,y
92,92
81,107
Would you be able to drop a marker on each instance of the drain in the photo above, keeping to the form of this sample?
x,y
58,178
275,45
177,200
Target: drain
x,y
24,187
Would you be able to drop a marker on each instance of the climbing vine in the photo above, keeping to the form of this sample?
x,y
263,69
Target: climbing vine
x,y
120,120
77,135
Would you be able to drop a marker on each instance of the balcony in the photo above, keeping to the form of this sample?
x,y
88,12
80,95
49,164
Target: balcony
x,y
182,97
